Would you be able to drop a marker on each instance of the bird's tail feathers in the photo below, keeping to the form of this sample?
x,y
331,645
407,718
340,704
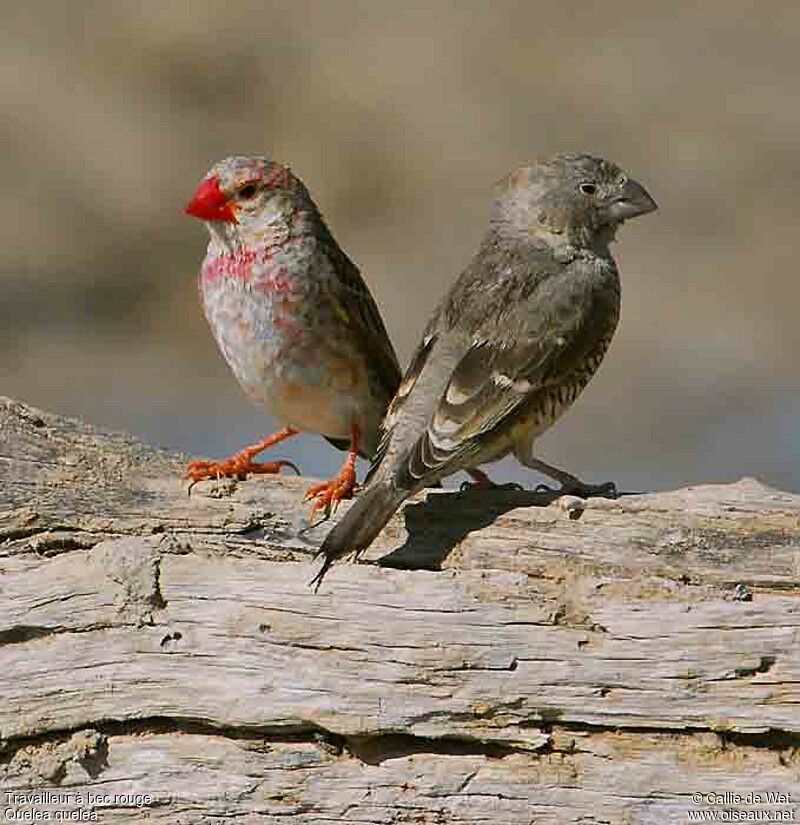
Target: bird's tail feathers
x,y
359,526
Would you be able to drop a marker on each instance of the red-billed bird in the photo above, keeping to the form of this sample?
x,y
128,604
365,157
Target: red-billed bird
x,y
293,318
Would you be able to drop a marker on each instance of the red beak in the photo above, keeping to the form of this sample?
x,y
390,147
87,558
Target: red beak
x,y
210,204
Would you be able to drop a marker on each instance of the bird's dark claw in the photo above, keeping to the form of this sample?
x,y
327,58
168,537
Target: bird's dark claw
x,y
606,490
582,490
490,485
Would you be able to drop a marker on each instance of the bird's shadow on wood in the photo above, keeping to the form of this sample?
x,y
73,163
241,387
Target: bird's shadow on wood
x,y
435,526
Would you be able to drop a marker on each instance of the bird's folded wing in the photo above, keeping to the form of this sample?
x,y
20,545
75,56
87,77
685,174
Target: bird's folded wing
x,y
356,308
490,384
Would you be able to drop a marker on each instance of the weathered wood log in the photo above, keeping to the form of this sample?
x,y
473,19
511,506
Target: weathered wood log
x,y
494,660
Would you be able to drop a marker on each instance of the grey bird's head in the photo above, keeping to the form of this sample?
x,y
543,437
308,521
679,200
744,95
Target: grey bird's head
x,y
573,199
245,200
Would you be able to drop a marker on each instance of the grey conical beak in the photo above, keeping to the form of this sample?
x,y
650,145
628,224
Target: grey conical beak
x,y
630,201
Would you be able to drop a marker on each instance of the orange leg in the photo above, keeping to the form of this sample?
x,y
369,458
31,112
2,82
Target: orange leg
x,y
241,464
330,493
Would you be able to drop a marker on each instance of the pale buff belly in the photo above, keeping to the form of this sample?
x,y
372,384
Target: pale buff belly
x,y
302,378
325,396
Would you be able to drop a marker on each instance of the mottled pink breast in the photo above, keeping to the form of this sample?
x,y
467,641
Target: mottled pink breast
x,y
226,267
283,342
251,302
259,270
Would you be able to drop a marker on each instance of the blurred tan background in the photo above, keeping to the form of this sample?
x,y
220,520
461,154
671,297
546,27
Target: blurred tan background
x,y
399,117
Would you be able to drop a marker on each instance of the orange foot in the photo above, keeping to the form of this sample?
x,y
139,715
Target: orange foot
x,y
330,493
241,464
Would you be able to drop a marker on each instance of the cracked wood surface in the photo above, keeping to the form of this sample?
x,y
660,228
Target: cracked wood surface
x,y
495,660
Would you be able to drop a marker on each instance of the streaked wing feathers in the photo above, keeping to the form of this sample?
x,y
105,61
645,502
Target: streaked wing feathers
x,y
357,309
415,367
491,382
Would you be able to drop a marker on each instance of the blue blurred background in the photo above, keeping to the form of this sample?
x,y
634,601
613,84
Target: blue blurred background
x,y
399,118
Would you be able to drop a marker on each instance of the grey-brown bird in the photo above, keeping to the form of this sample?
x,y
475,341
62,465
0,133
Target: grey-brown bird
x,y
511,346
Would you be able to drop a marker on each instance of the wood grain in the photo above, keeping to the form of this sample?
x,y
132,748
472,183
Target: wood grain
x,y
495,659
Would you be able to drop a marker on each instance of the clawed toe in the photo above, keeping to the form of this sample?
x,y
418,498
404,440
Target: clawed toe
x,y
236,467
328,494
606,490
241,464
480,485
263,467
580,489
481,481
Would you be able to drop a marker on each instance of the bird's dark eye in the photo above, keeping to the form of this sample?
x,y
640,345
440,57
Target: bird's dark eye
x,y
247,191
588,188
